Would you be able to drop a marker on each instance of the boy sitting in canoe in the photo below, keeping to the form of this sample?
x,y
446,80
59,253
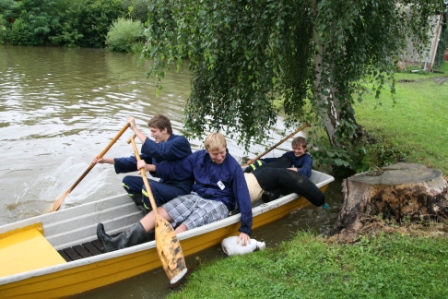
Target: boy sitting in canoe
x,y
166,146
219,186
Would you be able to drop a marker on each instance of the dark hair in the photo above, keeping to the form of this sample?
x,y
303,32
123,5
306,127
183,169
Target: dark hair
x,y
160,122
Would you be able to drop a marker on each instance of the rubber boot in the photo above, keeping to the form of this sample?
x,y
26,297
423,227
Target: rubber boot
x,y
135,235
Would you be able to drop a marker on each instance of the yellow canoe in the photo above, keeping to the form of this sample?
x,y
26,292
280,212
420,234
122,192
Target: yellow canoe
x,y
33,252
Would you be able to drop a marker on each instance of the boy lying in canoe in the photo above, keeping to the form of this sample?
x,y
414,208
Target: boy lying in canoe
x,y
219,186
290,173
267,183
299,160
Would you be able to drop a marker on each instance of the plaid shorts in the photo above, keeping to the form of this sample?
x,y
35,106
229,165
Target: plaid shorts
x,y
194,211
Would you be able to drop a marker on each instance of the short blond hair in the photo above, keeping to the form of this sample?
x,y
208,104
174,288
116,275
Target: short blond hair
x,y
215,141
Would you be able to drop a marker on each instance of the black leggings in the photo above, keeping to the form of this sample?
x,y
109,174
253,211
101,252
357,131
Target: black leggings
x,y
289,181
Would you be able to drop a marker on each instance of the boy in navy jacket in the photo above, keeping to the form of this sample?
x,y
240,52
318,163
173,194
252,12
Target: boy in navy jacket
x,y
166,146
218,188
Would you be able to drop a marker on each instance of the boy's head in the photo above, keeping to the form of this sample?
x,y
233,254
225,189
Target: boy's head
x,y
216,146
299,146
160,122
160,127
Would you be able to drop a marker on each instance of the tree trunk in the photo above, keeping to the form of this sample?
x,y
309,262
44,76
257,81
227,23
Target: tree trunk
x,y
327,109
402,191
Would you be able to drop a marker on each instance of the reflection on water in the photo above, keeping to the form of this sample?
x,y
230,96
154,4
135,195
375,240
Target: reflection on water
x,y
61,107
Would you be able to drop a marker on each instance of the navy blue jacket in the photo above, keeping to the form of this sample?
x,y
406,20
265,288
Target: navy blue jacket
x,y
207,174
175,148
304,162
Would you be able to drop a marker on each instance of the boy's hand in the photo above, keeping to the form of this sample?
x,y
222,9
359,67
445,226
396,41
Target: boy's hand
x,y
131,122
97,160
243,239
141,164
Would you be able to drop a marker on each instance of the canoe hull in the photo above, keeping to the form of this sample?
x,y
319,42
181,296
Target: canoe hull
x,y
93,272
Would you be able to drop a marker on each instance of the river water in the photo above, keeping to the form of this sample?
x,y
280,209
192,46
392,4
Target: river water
x,y
61,107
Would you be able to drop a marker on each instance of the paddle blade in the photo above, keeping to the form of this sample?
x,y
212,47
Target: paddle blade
x,y
58,202
170,251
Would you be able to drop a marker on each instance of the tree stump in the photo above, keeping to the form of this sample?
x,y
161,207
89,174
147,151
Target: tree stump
x,y
403,191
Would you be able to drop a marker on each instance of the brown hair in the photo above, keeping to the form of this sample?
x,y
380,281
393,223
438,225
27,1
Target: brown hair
x,y
215,141
160,122
299,141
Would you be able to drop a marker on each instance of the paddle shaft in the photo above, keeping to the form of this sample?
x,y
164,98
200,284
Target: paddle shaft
x,y
168,246
145,178
283,140
60,200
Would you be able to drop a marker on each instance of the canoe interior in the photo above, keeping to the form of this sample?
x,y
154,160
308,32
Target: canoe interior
x,y
115,217
77,225
72,233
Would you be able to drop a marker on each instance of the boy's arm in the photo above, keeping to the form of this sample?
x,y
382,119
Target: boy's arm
x,y
306,165
123,165
174,170
175,149
242,197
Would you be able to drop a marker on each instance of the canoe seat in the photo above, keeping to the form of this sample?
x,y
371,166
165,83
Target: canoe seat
x,y
26,249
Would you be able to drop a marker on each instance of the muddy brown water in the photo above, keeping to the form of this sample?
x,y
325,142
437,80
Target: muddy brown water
x,y
61,107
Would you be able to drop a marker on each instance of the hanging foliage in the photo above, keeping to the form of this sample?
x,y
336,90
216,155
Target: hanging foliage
x,y
306,53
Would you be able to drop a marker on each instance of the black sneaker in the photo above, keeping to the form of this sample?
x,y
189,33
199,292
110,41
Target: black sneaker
x,y
269,196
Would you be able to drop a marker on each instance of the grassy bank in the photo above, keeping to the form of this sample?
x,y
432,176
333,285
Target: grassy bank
x,y
389,266
392,265
416,121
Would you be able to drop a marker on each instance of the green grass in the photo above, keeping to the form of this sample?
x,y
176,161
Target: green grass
x,y
388,266
393,266
415,120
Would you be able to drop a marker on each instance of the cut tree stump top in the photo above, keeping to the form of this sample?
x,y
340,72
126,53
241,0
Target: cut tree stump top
x,y
399,173
395,192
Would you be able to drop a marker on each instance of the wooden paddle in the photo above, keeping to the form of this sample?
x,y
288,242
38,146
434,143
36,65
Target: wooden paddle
x,y
283,140
168,246
57,204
